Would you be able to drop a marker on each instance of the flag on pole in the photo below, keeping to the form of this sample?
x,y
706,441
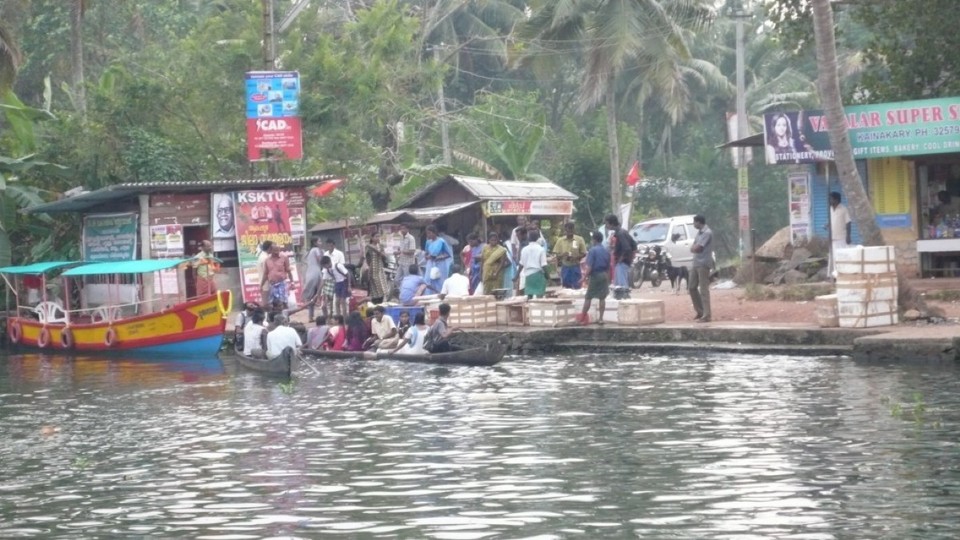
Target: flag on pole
x,y
633,177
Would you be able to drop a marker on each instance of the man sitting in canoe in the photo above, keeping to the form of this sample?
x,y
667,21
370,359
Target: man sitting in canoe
x,y
282,337
438,337
413,286
253,334
412,342
383,331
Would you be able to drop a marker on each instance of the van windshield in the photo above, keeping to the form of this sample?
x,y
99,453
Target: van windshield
x,y
650,232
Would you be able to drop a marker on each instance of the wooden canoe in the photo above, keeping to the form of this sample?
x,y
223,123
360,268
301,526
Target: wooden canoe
x,y
280,366
488,355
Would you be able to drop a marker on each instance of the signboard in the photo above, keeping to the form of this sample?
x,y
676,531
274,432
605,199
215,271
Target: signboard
x,y
273,122
261,215
799,186
909,128
517,207
165,281
110,237
166,241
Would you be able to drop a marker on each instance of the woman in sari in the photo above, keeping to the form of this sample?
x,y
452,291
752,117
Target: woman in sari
x,y
440,256
494,260
336,335
471,260
375,257
356,332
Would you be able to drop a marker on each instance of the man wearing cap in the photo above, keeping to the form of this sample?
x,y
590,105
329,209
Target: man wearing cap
x,y
282,337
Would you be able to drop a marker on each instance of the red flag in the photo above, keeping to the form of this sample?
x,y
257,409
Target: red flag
x,y
633,177
326,188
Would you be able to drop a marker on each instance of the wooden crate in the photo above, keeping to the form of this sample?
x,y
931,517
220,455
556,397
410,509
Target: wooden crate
x,y
640,312
826,311
512,312
472,311
550,312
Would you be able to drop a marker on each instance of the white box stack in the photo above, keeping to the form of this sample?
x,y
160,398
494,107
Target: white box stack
x,y
550,312
866,286
512,312
640,312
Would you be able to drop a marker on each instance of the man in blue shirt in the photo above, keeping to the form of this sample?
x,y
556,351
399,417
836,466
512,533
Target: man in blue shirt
x,y
412,285
598,277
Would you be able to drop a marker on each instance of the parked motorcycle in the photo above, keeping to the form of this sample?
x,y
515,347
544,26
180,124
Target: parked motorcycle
x,y
651,265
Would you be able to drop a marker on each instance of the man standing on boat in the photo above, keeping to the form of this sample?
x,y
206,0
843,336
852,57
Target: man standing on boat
x,y
282,338
277,275
206,266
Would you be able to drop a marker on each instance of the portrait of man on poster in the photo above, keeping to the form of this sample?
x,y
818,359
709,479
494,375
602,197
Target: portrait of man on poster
x,y
224,222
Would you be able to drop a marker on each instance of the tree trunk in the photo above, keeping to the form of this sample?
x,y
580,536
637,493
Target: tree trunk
x,y
388,174
828,86
76,55
612,141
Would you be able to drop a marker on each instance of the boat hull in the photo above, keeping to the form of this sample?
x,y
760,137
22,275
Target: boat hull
x,y
191,329
280,366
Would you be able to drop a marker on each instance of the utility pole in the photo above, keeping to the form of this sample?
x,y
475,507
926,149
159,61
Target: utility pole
x,y
269,64
444,128
743,181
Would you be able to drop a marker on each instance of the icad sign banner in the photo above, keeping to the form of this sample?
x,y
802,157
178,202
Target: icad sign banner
x,y
273,122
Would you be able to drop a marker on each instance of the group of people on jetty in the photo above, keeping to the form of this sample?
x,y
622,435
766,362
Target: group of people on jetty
x,y
516,264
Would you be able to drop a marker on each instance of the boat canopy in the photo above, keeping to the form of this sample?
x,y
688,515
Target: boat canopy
x,y
142,266
36,268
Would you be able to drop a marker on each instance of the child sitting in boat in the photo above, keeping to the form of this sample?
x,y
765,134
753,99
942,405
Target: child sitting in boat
x,y
356,332
336,335
317,334
412,342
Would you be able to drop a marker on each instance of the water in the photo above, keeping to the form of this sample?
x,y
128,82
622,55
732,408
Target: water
x,y
595,446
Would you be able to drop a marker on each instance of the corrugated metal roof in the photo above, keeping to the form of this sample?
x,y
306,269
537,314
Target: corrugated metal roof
x,y
486,190
513,189
90,199
410,215
436,212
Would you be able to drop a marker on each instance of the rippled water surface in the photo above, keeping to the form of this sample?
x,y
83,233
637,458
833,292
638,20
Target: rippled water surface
x,y
594,446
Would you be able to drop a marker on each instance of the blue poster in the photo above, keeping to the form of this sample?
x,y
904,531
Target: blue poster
x,y
272,94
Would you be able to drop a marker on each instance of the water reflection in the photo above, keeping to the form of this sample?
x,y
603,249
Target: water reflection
x,y
716,446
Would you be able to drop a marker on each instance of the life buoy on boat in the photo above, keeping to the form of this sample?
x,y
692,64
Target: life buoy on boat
x,y
224,311
66,338
16,332
111,338
44,338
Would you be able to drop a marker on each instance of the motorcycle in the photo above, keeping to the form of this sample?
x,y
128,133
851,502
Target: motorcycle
x,y
651,265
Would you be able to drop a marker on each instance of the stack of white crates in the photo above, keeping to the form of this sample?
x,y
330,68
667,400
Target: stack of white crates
x,y
866,286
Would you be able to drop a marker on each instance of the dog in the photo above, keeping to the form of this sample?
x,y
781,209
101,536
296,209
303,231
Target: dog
x,y
676,275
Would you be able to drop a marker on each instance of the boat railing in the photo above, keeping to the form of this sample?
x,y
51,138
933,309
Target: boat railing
x,y
53,312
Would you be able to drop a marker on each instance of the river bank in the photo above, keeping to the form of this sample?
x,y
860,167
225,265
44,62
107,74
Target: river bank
x,y
743,325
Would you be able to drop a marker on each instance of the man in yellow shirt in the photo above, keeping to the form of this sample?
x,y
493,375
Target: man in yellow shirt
x,y
570,249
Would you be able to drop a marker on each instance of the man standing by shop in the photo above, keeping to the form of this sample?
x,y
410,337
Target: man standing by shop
x,y
206,266
406,253
840,231
624,248
569,250
278,274
699,281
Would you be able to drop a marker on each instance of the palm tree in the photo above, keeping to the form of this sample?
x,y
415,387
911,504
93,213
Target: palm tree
x,y
614,38
828,84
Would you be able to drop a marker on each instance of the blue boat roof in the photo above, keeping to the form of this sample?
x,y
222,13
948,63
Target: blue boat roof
x,y
141,266
36,268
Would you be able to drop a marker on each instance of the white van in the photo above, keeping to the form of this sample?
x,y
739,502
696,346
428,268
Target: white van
x,y
675,235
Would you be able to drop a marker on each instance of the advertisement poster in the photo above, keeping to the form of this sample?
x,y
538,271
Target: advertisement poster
x,y
110,237
165,282
166,241
799,186
262,215
911,128
298,225
273,115
529,208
